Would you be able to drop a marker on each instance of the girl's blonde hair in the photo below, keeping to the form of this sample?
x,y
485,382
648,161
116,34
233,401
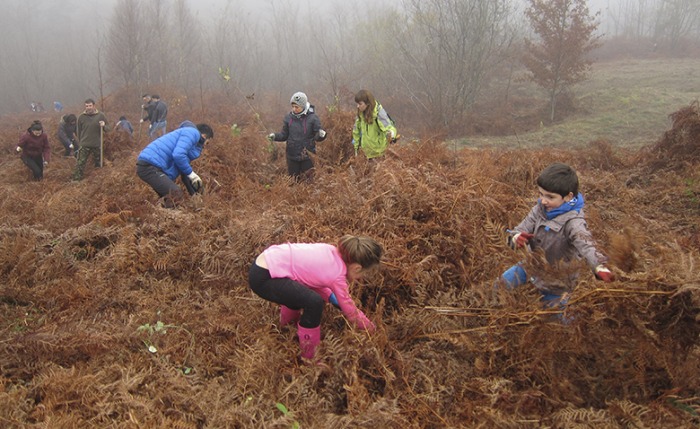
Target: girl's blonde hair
x,y
361,250
366,97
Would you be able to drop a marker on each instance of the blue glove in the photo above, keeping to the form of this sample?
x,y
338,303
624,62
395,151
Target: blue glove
x,y
333,300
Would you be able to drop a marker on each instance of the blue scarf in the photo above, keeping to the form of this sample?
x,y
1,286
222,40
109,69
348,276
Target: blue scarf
x,y
576,203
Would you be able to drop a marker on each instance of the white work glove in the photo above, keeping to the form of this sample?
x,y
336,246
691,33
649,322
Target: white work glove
x,y
196,181
141,121
46,163
271,137
71,146
19,149
322,133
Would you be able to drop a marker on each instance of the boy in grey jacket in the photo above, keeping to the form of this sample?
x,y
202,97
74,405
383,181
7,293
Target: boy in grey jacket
x,y
556,225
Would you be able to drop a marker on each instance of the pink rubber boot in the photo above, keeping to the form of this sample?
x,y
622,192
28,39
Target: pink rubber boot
x,y
287,315
309,338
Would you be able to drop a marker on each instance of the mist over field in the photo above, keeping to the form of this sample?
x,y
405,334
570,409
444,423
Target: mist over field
x,y
70,50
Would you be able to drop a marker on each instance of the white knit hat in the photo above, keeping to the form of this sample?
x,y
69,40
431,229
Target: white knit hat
x,y
300,99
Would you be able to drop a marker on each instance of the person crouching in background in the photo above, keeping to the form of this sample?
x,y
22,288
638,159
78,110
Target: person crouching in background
x,y
66,134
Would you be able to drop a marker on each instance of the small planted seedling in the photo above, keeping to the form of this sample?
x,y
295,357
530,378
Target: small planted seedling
x,y
283,409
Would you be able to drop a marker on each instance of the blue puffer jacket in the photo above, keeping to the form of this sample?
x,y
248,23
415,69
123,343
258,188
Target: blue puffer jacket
x,y
173,152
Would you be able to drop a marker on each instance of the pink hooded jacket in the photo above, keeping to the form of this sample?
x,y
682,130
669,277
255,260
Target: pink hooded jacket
x,y
320,267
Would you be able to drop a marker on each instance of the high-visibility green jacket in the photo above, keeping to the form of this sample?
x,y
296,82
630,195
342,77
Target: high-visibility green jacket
x,y
371,137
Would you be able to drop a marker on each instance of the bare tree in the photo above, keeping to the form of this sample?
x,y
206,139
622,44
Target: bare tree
x,y
676,19
188,42
235,48
335,52
127,43
630,18
558,60
291,49
159,53
445,50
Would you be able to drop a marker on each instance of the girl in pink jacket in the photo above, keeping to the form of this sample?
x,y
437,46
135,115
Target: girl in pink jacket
x,y
302,277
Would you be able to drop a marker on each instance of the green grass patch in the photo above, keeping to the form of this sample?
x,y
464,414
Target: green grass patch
x,y
626,102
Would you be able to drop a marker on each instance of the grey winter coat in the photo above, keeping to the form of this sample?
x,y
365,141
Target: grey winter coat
x,y
563,239
301,134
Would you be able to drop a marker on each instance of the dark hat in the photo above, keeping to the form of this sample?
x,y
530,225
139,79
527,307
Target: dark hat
x,y
36,126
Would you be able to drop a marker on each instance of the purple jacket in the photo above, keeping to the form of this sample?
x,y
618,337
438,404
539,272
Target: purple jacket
x,y
35,146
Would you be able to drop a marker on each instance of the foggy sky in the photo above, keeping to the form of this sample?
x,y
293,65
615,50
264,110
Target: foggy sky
x,y
50,48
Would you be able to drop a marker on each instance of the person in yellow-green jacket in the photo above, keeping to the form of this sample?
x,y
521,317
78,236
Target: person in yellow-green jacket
x,y
373,129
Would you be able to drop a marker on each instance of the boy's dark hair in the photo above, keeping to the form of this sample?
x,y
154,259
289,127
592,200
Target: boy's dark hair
x,y
70,118
205,129
559,178
90,101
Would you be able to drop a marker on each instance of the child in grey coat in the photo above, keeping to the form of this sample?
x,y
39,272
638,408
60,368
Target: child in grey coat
x,y
557,226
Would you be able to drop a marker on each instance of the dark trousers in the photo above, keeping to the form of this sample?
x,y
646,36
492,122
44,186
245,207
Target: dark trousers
x,y
300,169
287,292
164,186
66,146
35,164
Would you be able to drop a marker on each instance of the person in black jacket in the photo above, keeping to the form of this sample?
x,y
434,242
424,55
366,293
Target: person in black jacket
x,y
66,134
301,130
158,117
147,107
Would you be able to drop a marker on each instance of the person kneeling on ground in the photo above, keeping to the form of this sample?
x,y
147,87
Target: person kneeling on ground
x,y
169,156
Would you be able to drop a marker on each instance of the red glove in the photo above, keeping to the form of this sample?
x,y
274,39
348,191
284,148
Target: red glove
x,y
604,274
521,239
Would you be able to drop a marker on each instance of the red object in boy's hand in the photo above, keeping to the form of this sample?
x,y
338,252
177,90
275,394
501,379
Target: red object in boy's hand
x,y
604,274
522,238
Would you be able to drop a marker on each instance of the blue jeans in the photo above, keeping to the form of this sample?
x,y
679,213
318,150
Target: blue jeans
x,y
157,126
516,276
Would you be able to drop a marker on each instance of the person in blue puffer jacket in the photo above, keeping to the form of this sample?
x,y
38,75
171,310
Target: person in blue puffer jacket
x,y
169,156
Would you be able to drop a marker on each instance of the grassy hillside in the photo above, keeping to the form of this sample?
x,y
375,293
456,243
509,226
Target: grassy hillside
x,y
625,102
